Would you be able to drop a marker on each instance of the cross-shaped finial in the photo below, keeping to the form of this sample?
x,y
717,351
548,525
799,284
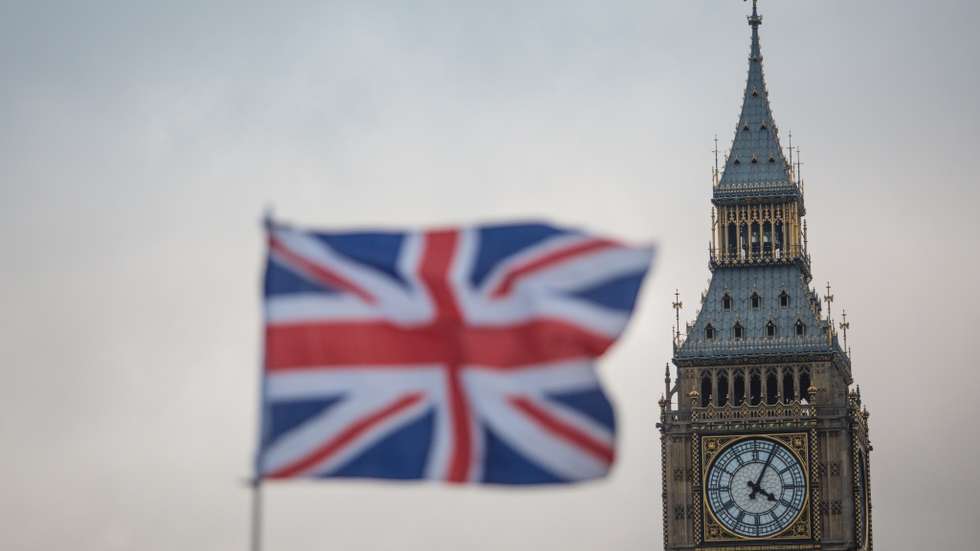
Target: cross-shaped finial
x,y
677,304
799,167
829,298
845,325
716,174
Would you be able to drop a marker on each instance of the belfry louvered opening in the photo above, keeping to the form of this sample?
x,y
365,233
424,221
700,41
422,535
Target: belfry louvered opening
x,y
752,385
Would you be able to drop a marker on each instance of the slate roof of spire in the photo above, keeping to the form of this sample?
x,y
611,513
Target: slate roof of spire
x,y
770,283
755,166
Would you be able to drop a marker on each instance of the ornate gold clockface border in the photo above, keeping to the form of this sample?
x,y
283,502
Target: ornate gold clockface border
x,y
799,444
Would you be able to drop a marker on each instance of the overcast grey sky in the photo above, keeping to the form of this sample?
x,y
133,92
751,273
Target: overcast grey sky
x,y
139,143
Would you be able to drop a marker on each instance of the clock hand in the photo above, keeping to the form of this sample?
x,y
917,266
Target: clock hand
x,y
762,491
758,483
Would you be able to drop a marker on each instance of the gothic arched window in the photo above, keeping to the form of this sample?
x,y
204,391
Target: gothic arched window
x,y
755,238
738,331
739,387
755,387
805,383
726,302
770,329
732,239
722,388
772,387
767,238
756,300
709,332
789,391
784,299
800,328
779,235
705,388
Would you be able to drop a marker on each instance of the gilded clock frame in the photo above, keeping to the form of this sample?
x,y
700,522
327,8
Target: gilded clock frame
x,y
802,527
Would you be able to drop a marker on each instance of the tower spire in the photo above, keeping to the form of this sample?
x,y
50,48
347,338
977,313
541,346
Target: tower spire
x,y
756,165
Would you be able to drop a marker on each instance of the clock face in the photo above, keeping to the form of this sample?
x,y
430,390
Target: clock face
x,y
756,487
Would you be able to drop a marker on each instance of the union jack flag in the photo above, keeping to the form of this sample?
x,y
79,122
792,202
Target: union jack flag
x,y
465,355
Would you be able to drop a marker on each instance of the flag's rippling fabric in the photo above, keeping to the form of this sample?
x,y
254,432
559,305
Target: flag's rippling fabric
x,y
465,355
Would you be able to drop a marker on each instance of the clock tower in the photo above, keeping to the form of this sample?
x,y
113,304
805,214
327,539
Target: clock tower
x,y
765,444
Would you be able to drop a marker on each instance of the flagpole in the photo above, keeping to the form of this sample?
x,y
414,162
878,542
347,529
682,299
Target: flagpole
x,y
256,544
256,482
